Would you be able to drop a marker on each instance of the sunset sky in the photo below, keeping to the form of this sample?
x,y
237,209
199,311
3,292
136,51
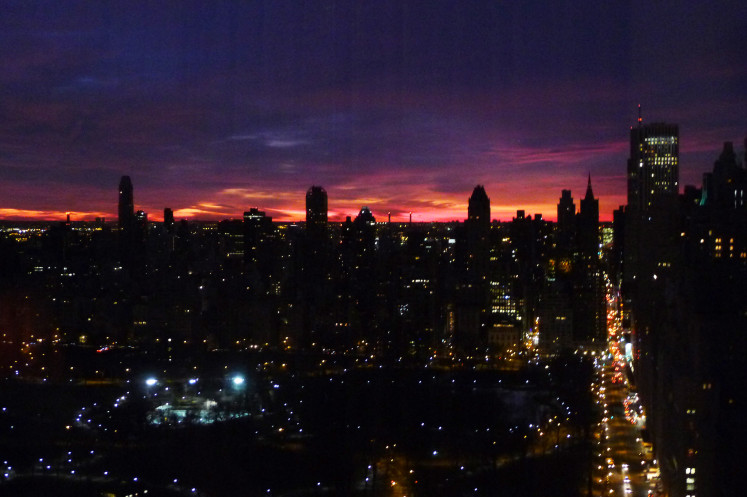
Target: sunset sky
x,y
215,107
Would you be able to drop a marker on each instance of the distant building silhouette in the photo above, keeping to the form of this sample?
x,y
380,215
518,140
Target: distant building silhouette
x,y
473,297
316,211
478,210
566,228
126,205
588,225
589,310
317,303
133,230
724,187
168,219
258,234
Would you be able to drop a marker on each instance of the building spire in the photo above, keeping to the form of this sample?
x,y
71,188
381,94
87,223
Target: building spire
x,y
589,192
640,117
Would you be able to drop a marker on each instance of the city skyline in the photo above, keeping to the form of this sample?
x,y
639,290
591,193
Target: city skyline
x,y
212,110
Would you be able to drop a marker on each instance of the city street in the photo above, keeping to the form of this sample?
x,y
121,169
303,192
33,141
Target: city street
x,y
621,461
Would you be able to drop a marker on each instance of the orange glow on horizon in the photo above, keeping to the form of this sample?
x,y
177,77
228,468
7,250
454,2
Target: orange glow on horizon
x,y
501,213
11,214
425,204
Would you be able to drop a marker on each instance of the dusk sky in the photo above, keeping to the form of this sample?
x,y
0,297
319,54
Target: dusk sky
x,y
215,107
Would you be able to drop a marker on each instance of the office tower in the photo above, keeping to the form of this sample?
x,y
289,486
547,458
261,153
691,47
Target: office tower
x,y
314,277
477,228
653,166
365,217
507,310
557,293
566,228
168,219
589,310
131,230
618,242
688,316
566,210
316,210
126,206
473,297
724,187
653,184
141,228
478,210
651,243
588,225
258,235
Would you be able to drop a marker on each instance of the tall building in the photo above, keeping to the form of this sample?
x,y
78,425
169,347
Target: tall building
x,y
653,186
472,296
315,286
141,227
126,205
316,210
572,313
724,188
588,225
653,166
478,210
589,307
477,229
566,229
618,242
258,233
688,312
566,211
131,229
168,218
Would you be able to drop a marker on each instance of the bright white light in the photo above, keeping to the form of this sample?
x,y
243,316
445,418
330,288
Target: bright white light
x,y
192,381
151,381
238,380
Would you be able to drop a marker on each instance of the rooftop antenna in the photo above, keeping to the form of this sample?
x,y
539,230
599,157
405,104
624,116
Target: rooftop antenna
x,y
640,118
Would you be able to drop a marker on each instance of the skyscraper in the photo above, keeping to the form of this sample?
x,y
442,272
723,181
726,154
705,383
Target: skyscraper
x,y
478,227
566,226
478,210
685,279
258,235
653,186
126,206
168,218
474,254
653,166
566,210
588,301
724,188
130,246
588,225
316,210
318,297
